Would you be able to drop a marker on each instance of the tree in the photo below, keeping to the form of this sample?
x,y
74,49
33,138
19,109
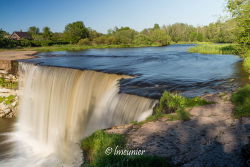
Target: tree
x,y
33,30
76,31
47,34
2,33
240,11
156,26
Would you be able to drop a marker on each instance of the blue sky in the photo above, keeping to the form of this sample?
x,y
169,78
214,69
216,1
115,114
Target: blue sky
x,y
104,14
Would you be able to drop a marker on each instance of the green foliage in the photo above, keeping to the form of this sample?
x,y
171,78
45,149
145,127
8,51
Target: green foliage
x,y
7,99
240,10
241,100
33,30
173,107
47,34
172,102
95,145
246,62
216,49
84,41
2,34
76,31
8,84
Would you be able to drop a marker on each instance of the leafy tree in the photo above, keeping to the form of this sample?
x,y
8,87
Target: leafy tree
x,y
2,33
47,34
76,31
33,30
156,26
240,11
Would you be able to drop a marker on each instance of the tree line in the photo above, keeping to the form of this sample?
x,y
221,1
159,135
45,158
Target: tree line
x,y
235,29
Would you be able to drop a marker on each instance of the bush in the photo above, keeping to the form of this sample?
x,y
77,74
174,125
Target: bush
x,y
171,102
174,103
241,100
84,41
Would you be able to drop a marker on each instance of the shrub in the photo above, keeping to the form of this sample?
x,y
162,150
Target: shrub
x,y
171,102
84,41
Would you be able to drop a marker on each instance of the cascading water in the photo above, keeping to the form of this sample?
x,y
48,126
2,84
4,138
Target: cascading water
x,y
59,107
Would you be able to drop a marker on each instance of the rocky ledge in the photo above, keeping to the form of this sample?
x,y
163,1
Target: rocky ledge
x,y
211,138
8,95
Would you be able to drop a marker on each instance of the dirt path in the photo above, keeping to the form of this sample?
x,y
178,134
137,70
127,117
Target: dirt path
x,y
211,138
16,55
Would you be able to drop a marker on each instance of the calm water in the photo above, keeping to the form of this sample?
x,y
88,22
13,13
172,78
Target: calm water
x,y
155,69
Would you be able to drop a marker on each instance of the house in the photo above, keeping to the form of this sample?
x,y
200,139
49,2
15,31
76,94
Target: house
x,y
20,35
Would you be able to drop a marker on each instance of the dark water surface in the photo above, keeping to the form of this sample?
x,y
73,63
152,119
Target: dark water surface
x,y
155,69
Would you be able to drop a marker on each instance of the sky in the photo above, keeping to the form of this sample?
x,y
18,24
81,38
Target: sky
x,y
102,15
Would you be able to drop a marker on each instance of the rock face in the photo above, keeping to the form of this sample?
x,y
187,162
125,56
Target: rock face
x,y
211,138
8,97
8,59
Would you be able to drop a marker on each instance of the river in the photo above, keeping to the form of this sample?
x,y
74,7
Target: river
x,y
68,95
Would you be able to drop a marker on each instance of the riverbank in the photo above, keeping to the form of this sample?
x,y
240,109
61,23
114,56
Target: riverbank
x,y
76,47
8,59
210,137
215,49
9,81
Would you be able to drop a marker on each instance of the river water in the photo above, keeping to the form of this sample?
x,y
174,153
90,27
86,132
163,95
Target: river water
x,y
155,69
60,106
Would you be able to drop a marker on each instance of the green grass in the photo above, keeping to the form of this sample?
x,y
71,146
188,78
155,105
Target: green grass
x,y
183,42
75,47
173,107
246,61
95,145
8,99
241,100
171,102
8,84
215,49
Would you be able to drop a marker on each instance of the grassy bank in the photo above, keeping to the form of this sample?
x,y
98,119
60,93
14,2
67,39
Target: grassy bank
x,y
235,49
183,42
171,105
174,107
77,47
215,49
99,151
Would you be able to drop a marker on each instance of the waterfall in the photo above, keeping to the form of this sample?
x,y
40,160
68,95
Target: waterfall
x,y
60,106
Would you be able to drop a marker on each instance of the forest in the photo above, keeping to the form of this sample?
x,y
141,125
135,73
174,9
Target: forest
x,y
236,29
